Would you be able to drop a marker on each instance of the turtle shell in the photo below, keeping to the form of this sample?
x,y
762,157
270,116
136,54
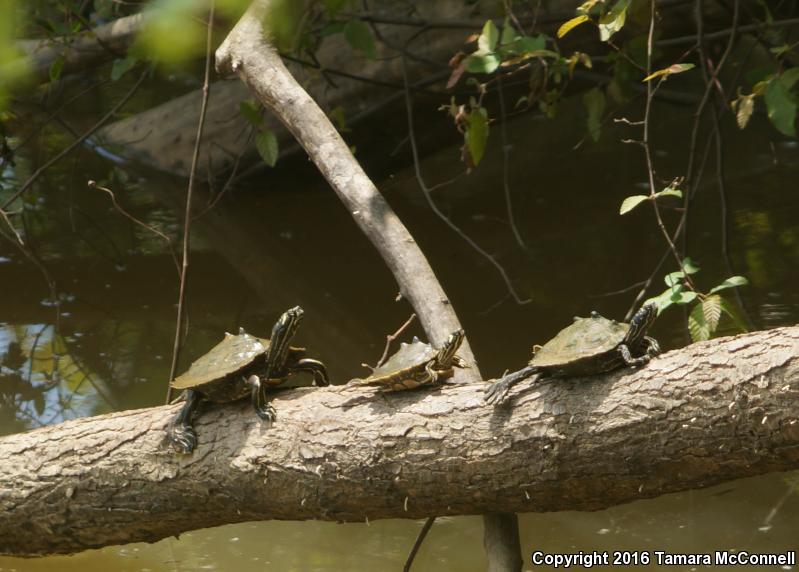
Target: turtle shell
x,y
231,355
401,369
586,346
219,374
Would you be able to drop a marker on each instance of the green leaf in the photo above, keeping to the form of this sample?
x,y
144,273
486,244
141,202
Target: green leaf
x,y
663,300
781,107
56,68
509,34
487,41
671,70
789,77
731,282
697,326
688,266
251,113
594,101
527,44
122,66
631,202
477,134
780,50
757,74
683,297
266,143
674,279
614,20
333,7
569,25
359,37
482,63
669,192
703,321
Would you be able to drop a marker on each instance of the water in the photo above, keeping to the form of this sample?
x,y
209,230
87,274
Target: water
x,y
284,239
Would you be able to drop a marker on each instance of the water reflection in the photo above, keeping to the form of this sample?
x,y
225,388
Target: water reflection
x,y
759,514
43,382
263,250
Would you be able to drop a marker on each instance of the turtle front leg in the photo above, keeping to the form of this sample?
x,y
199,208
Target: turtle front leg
x,y
497,392
260,399
316,368
431,375
652,346
181,432
276,356
624,350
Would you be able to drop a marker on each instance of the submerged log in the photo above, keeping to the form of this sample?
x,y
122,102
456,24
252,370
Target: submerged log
x,y
694,417
82,51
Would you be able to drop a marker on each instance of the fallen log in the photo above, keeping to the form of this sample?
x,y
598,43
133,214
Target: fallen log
x,y
710,412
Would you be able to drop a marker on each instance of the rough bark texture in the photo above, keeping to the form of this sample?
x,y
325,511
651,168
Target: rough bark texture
x,y
694,417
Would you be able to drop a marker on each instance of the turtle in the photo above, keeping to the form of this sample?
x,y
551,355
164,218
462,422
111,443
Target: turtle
x,y
586,347
417,364
238,366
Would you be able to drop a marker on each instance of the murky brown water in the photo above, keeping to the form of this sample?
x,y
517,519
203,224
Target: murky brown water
x,y
285,240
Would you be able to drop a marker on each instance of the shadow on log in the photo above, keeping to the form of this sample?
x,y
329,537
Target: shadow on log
x,y
708,413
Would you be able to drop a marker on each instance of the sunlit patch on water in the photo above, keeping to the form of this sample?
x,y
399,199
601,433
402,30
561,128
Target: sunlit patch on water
x,y
43,382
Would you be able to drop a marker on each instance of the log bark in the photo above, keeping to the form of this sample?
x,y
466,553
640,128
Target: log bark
x,y
694,417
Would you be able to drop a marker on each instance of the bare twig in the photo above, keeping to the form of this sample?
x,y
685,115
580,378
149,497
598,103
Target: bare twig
x,y
11,226
646,142
418,544
391,337
506,148
434,207
94,185
730,31
53,114
88,133
189,193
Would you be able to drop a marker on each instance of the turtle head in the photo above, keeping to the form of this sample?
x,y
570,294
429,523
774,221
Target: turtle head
x,y
282,333
446,355
288,321
640,323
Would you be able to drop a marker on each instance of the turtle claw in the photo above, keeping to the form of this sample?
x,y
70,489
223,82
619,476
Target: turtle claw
x,y
263,408
267,413
496,393
183,438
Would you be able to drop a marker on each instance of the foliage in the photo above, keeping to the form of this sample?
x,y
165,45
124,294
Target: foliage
x,y
265,139
706,308
634,58
13,68
633,201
